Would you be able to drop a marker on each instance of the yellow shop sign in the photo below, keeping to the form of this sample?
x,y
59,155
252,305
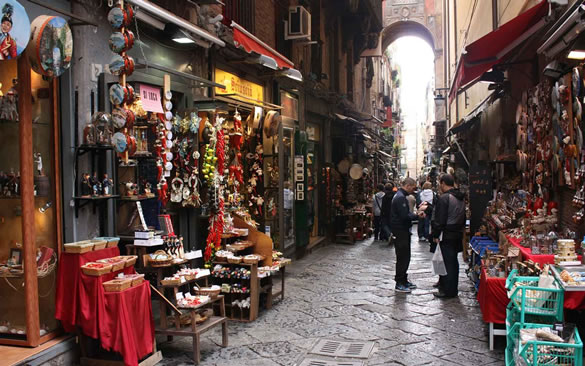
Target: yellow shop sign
x,y
237,87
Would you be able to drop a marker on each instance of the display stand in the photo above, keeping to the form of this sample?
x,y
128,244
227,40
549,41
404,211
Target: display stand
x,y
192,330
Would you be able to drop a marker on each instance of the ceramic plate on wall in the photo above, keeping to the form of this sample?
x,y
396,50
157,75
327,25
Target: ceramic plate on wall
x,y
52,45
14,29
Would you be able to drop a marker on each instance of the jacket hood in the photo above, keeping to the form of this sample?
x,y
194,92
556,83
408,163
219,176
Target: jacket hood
x,y
457,194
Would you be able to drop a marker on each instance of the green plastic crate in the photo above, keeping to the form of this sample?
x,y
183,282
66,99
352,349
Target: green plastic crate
x,y
539,353
529,299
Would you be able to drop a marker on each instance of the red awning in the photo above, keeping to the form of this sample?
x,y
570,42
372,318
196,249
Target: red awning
x,y
245,39
489,50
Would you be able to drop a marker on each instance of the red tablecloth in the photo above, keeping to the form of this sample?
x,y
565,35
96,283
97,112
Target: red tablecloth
x,y
122,321
493,298
126,324
527,253
68,302
574,300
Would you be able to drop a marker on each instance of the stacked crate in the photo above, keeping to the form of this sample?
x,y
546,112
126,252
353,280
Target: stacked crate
x,y
536,307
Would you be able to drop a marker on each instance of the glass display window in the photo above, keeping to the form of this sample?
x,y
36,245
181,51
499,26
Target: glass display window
x,y
30,231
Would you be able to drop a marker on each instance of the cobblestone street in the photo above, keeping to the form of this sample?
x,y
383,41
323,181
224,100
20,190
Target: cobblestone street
x,y
343,292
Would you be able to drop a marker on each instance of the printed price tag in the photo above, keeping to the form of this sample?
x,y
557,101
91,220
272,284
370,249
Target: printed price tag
x,y
150,98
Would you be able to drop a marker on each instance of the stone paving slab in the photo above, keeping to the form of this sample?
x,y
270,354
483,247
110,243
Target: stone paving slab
x,y
347,293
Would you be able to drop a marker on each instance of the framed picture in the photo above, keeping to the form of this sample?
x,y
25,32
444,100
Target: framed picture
x,y
15,256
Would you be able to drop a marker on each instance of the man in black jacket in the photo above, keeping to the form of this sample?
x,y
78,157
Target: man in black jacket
x,y
448,227
401,223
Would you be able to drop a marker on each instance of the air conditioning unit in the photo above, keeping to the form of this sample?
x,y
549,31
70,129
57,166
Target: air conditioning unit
x,y
298,25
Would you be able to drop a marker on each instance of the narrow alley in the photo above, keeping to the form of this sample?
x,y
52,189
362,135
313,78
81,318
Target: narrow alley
x,y
343,292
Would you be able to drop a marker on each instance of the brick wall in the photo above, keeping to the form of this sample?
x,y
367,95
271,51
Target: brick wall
x,y
264,22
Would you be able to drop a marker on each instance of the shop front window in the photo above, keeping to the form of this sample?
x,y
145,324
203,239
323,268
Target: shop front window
x,y
45,215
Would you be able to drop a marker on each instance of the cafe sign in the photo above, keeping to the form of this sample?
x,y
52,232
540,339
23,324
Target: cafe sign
x,y
237,88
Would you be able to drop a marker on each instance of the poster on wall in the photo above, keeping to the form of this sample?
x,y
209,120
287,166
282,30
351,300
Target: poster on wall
x,y
14,29
52,45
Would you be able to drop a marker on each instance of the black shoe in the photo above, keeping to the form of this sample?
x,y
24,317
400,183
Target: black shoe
x,y
437,285
411,285
402,288
442,295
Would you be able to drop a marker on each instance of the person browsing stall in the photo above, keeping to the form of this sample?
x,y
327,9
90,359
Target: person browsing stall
x,y
448,227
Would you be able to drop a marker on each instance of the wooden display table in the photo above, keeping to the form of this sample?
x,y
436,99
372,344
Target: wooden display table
x,y
193,329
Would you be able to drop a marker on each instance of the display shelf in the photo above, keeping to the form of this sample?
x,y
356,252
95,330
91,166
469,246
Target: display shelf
x,y
192,330
135,199
254,288
80,202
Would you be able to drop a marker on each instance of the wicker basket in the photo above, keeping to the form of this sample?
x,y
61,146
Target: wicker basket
x,y
234,260
170,282
137,279
207,291
220,259
160,262
129,260
255,260
79,247
116,262
99,244
117,285
111,241
86,269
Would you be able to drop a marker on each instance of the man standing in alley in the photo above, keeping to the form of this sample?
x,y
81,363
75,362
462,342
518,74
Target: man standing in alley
x,y
377,208
448,227
401,223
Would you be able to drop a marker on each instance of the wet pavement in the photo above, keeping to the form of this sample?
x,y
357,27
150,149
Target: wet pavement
x,y
346,292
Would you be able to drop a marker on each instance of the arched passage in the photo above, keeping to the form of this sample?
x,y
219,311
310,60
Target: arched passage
x,y
406,28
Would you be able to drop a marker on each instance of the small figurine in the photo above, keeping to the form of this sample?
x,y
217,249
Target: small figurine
x,y
148,189
95,184
107,185
85,185
39,161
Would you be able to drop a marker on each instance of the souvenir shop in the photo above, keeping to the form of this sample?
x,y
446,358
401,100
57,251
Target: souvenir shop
x,y
189,181
351,179
526,251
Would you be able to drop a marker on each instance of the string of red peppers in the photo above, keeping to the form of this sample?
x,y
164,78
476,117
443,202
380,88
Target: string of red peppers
x,y
216,221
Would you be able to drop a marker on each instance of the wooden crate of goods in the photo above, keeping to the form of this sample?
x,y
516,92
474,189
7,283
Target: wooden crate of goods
x,y
99,244
118,284
96,268
116,262
79,247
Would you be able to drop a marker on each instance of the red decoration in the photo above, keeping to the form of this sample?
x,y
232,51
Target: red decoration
x,y
213,242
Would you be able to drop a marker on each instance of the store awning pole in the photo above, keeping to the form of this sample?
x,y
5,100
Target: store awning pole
x,y
462,153
164,14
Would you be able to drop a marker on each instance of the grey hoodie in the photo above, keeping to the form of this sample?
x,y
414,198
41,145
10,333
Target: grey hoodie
x,y
377,203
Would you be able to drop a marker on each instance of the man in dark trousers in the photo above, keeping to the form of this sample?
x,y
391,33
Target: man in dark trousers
x,y
401,223
448,227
